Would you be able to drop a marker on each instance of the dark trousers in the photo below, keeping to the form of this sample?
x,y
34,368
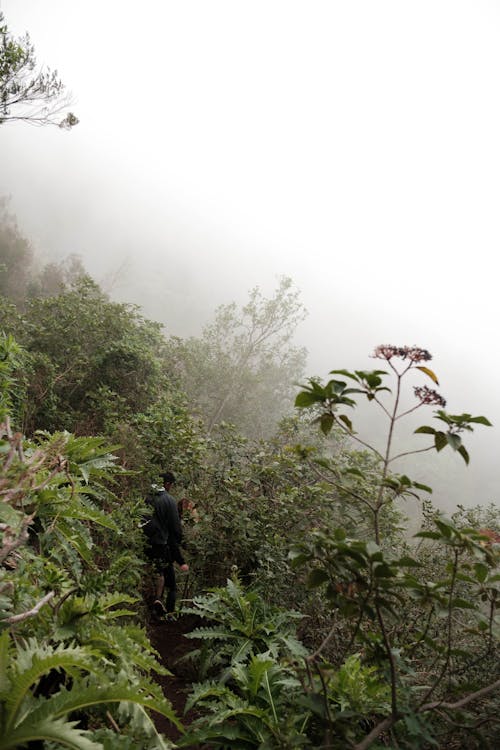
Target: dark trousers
x,y
160,557
171,586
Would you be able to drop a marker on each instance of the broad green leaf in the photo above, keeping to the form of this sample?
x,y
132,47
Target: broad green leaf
x,y
85,513
346,373
257,668
428,535
383,571
326,423
355,472
425,430
481,420
305,399
373,380
440,441
422,487
345,419
444,527
10,515
481,571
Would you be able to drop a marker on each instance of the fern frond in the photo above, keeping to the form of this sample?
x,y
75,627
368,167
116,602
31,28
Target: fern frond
x,y
252,676
78,698
83,512
136,718
117,641
43,660
64,733
78,538
208,690
212,633
106,601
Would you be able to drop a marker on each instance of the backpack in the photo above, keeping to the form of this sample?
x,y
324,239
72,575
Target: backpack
x,y
148,526
149,523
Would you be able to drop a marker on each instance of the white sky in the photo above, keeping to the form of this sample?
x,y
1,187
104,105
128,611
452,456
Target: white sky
x,y
354,146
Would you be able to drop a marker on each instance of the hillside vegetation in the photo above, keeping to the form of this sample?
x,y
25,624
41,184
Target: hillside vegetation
x,y
322,624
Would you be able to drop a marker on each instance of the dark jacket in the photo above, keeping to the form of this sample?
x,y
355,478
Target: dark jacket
x,y
165,526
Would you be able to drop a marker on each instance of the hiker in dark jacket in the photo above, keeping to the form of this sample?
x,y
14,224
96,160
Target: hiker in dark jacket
x,y
164,534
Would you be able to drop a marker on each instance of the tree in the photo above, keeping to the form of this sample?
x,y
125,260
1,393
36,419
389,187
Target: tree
x,y
16,257
425,628
22,275
89,360
27,93
243,367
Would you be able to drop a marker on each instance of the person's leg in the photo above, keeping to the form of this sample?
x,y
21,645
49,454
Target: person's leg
x,y
160,585
171,586
159,564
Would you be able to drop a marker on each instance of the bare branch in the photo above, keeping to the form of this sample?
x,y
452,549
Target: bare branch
x,y
376,732
463,701
411,453
31,612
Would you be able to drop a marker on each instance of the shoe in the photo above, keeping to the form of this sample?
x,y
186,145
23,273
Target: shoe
x,y
159,609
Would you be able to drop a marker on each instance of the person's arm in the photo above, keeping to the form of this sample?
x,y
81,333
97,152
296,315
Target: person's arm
x,y
176,555
175,534
174,522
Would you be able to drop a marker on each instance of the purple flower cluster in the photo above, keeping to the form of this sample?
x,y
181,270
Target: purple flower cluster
x,y
429,396
413,353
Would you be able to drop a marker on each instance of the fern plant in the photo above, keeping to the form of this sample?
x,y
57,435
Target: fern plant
x,y
64,660
261,709
240,623
26,716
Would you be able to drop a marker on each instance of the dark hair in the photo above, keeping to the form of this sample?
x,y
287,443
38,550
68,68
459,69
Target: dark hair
x,y
167,477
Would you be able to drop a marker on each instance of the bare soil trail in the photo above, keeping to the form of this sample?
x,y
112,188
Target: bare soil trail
x,y
168,638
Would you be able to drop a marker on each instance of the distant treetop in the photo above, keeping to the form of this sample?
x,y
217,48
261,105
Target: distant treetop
x,y
28,93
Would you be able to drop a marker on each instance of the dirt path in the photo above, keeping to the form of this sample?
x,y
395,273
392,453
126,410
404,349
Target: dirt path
x,y
169,640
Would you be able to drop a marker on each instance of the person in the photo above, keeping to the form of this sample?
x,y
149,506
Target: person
x,y
187,509
164,538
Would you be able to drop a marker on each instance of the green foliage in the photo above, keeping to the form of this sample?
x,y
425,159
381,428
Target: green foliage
x,y
28,715
64,650
241,623
358,688
86,353
425,620
252,646
399,632
272,697
9,357
456,423
259,710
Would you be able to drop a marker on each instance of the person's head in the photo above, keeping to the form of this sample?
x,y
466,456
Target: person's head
x,y
168,479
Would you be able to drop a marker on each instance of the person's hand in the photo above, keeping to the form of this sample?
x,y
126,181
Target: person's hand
x,y
184,567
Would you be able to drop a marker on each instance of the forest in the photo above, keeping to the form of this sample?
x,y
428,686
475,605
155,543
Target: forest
x,y
310,616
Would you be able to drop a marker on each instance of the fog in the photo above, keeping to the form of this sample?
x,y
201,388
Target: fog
x,y
351,146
